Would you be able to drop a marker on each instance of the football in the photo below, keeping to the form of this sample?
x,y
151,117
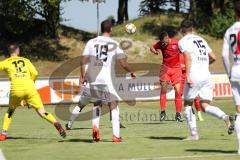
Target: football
x,y
130,28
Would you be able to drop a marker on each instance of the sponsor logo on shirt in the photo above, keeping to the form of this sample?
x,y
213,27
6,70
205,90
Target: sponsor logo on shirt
x,y
174,47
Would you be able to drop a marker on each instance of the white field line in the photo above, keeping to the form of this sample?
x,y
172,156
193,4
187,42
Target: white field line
x,y
2,155
184,157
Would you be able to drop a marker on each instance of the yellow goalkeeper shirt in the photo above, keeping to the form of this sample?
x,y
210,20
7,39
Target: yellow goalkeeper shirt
x,y
20,71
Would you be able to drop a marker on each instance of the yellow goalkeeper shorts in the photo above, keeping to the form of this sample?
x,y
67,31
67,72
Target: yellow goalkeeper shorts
x,y
30,95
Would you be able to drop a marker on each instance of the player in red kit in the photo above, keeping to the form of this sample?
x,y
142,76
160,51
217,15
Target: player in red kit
x,y
170,72
196,100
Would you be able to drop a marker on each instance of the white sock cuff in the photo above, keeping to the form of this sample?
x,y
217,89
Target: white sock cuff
x,y
188,108
76,110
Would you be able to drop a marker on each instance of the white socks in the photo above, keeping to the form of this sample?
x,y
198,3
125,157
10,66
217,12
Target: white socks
x,y
75,114
115,122
237,128
215,111
191,120
96,113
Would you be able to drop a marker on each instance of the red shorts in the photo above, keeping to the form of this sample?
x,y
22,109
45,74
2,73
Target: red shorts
x,y
170,75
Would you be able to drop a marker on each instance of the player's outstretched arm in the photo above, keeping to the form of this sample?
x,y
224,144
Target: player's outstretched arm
x,y
84,60
212,57
188,63
225,56
124,64
155,51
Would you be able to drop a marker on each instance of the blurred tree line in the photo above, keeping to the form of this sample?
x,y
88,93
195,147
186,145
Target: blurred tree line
x,y
212,17
19,18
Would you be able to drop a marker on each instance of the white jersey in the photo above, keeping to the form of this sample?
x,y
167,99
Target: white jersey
x,y
198,50
103,52
232,45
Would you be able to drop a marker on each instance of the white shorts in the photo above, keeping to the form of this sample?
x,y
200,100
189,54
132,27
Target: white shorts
x,y
202,89
236,91
97,94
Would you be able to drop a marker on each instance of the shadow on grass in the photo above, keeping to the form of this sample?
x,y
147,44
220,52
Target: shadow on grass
x,y
210,150
155,123
28,138
81,128
85,141
165,138
78,140
151,123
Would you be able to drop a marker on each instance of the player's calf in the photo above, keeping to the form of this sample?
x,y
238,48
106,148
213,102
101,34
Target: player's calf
x,y
60,129
50,118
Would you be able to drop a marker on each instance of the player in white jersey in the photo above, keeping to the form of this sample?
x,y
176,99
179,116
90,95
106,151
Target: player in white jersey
x,y
100,55
198,55
232,45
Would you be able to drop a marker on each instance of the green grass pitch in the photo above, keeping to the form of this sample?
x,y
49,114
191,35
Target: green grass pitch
x,y
143,138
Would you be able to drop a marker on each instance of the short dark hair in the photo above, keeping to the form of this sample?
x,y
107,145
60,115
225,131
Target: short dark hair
x,y
162,34
12,48
237,7
106,26
186,25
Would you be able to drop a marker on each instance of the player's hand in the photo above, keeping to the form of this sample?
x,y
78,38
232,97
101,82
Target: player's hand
x,y
189,81
158,51
83,81
133,75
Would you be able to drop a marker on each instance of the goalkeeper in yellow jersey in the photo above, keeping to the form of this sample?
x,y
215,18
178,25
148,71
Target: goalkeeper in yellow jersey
x,y
22,75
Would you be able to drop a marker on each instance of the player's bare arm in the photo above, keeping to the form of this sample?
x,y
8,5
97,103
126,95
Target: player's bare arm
x,y
225,57
84,60
188,63
124,64
155,51
212,57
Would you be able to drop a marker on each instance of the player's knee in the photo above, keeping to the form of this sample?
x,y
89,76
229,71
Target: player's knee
x,y
188,103
204,104
178,94
41,111
10,113
177,87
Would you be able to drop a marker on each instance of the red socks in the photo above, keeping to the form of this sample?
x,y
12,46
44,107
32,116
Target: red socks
x,y
197,104
163,99
178,101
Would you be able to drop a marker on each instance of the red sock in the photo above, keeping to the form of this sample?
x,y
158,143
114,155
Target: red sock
x,y
163,99
197,104
178,101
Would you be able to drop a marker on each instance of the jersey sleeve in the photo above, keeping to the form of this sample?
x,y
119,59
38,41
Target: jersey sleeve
x,y
87,50
157,45
208,49
119,52
182,47
32,70
2,65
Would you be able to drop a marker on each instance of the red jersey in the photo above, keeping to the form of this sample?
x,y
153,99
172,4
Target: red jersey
x,y
171,53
